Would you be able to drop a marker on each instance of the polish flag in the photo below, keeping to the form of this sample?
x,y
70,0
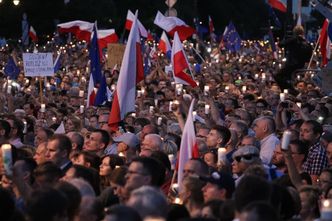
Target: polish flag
x,y
278,4
211,26
91,93
33,34
106,36
81,29
174,24
180,64
164,44
131,73
188,147
129,21
325,41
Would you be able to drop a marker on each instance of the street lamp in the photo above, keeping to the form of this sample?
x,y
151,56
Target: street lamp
x,y
16,2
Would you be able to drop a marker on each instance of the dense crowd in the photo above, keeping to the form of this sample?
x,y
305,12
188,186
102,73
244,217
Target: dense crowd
x,y
86,171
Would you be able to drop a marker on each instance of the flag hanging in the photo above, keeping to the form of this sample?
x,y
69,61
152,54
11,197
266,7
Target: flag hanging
x,y
180,64
106,37
231,39
101,96
273,44
129,21
164,45
91,93
33,34
57,63
211,26
95,57
81,29
11,69
278,4
325,41
131,72
188,147
172,25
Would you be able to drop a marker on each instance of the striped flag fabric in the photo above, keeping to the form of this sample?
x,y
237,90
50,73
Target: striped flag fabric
x,y
164,44
325,41
278,4
57,63
129,21
131,73
211,26
188,147
33,34
107,36
95,57
180,64
91,93
81,29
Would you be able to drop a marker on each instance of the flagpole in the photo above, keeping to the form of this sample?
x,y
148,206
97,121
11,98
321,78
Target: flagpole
x,y
40,89
199,54
313,52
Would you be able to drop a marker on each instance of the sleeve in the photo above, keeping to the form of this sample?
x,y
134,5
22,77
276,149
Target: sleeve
x,y
319,163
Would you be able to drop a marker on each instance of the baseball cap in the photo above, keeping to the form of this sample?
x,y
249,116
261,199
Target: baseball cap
x,y
222,179
247,154
128,138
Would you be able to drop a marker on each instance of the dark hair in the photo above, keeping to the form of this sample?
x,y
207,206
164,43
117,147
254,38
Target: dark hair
x,y
46,203
5,126
162,157
49,132
78,139
91,158
214,206
115,160
263,101
118,175
223,132
17,124
64,142
301,147
48,169
154,168
204,168
123,213
263,211
316,127
105,137
88,174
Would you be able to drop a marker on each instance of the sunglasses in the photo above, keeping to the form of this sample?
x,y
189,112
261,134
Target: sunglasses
x,y
245,157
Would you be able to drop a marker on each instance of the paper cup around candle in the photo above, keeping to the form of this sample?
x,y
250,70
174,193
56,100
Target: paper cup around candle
x,y
170,106
151,109
139,93
82,109
156,102
207,109
133,114
206,90
42,108
282,97
7,159
171,160
285,91
326,210
159,121
285,140
221,155
299,104
54,119
25,129
81,94
9,89
244,89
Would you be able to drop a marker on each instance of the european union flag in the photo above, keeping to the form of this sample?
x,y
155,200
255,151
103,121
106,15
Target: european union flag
x,y
101,95
95,58
231,38
57,63
11,69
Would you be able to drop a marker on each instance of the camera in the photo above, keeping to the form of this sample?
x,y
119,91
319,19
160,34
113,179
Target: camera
x,y
285,104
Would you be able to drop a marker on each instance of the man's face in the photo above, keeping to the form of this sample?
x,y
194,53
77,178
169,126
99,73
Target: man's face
x,y
191,168
211,192
27,109
297,157
40,153
239,167
53,152
146,147
277,158
259,128
213,139
307,134
93,122
103,122
136,176
94,142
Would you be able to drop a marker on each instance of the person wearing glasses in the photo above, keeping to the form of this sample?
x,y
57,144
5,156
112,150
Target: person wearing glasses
x,y
243,158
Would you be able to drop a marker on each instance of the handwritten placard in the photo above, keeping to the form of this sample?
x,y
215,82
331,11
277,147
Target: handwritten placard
x,y
38,64
115,54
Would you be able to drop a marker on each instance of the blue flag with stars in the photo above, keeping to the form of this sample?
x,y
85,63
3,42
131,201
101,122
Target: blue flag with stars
x,y
95,58
11,69
231,38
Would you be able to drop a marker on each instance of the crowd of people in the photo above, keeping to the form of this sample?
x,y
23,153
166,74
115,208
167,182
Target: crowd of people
x,y
87,171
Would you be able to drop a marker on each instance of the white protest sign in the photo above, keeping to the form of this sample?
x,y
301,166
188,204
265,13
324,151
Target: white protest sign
x,y
38,64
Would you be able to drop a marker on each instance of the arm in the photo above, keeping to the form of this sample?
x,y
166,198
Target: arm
x,y
292,170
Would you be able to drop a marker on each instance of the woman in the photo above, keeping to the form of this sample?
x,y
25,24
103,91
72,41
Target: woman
x,y
309,196
73,124
108,164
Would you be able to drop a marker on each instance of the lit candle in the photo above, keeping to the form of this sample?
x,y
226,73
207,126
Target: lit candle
x,y
256,76
133,114
121,154
207,109
82,109
282,97
170,106
42,108
221,155
151,109
54,119
7,159
285,91
156,102
244,89
285,140
177,200
113,87
25,129
299,104
171,160
194,115
326,210
143,91
206,90
48,86
298,77
197,82
9,89
159,121
226,89
81,94
139,93
263,76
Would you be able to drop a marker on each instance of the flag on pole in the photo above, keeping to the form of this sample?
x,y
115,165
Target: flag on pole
x,y
11,69
231,39
278,4
91,93
33,34
106,37
81,29
180,64
131,72
101,96
57,63
188,147
164,45
273,44
95,57
211,26
25,30
174,24
129,22
325,41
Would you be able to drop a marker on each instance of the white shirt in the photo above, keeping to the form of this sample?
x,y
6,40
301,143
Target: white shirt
x,y
268,145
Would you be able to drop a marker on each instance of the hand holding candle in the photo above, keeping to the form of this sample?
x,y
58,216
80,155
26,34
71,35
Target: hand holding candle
x,y
7,158
286,139
221,155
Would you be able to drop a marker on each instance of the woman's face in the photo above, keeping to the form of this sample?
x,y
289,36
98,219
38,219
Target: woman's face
x,y
105,168
69,126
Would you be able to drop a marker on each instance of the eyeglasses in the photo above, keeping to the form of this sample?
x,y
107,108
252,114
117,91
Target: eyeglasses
x,y
245,157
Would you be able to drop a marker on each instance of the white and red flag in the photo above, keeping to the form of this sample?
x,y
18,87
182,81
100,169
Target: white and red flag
x,y
129,21
107,36
174,24
33,34
188,147
278,4
325,41
81,29
131,73
211,26
164,44
91,93
180,64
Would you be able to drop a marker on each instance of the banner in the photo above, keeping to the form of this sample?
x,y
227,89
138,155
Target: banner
x,y
115,54
38,64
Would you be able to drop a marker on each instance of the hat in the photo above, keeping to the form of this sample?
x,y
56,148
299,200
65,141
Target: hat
x,y
128,138
248,153
327,135
222,179
19,111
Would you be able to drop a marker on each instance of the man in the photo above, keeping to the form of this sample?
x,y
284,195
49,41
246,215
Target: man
x,y
42,135
77,140
278,160
316,160
148,129
218,137
299,151
195,166
144,171
97,141
219,186
4,131
150,143
58,150
40,153
127,145
29,109
264,128
16,132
